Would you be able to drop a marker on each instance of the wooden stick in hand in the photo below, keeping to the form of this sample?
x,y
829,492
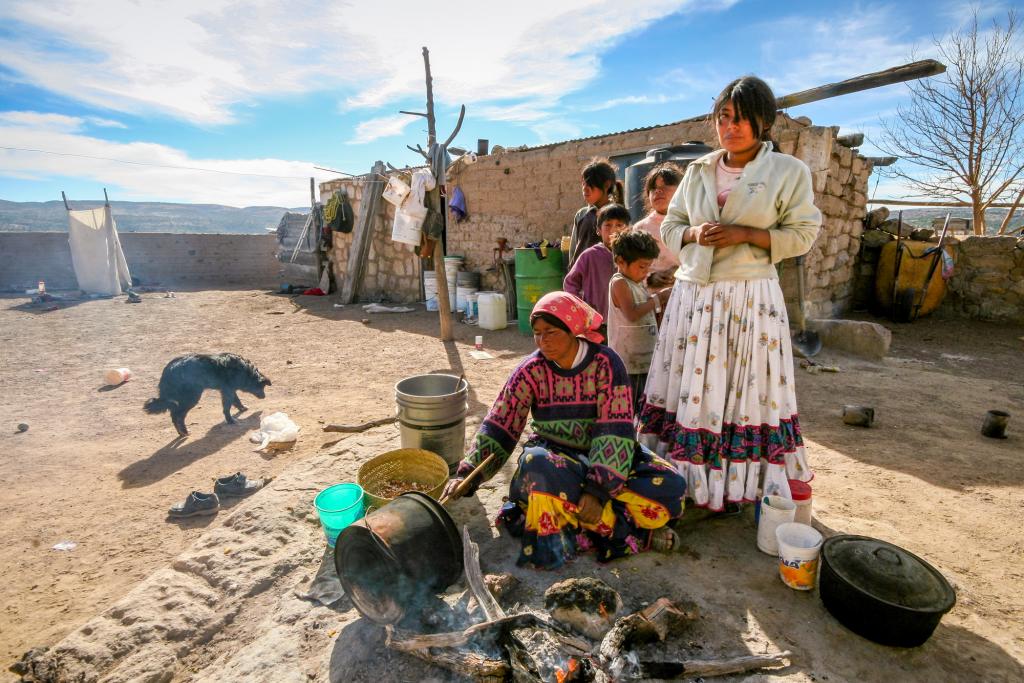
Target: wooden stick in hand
x,y
461,489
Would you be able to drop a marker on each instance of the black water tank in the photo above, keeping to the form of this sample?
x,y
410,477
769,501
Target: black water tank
x,y
681,155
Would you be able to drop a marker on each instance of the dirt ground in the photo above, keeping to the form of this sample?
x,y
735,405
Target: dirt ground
x,y
94,469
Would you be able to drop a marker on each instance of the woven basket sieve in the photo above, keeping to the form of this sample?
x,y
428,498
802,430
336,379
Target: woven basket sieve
x,y
411,465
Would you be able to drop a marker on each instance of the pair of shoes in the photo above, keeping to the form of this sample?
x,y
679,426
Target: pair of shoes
x,y
197,503
237,486
664,540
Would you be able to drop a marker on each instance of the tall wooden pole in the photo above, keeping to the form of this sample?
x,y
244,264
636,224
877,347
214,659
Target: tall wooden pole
x,y
432,200
431,122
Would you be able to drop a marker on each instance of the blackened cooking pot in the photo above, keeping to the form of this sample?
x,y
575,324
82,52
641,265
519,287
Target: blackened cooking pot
x,y
396,555
881,591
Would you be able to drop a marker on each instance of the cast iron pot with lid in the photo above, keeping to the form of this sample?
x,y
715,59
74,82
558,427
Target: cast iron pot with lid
x,y
881,591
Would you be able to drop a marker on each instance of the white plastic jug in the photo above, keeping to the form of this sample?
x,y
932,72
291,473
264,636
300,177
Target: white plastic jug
x,y
775,510
491,311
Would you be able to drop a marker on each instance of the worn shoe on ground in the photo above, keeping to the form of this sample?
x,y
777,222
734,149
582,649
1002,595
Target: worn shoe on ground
x,y
237,486
197,503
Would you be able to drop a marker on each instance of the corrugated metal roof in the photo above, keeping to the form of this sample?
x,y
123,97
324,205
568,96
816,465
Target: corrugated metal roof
x,y
693,119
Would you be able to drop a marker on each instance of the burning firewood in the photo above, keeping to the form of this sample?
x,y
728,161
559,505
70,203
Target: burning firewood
x,y
480,667
540,649
587,605
654,622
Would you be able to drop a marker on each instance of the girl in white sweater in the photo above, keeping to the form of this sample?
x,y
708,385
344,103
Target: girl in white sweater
x,y
720,399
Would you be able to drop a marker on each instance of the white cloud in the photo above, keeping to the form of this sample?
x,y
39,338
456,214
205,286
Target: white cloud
x,y
556,130
104,123
35,119
381,127
145,171
524,112
633,99
198,59
54,122
861,39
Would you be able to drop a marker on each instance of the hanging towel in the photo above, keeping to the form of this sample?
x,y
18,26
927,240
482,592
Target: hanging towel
x,y
458,205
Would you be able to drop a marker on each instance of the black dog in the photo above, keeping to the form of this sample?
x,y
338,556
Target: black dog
x,y
185,378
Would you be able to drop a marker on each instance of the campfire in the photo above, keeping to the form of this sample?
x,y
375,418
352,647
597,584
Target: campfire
x,y
578,638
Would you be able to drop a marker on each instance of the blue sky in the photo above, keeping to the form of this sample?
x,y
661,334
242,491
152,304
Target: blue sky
x,y
135,96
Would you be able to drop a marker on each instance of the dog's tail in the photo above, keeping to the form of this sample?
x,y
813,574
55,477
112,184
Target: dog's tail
x,y
156,405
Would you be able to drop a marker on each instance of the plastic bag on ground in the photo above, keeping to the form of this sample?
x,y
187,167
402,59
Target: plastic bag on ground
x,y
275,428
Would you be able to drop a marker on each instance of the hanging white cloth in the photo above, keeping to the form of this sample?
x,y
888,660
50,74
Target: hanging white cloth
x,y
96,252
410,215
422,182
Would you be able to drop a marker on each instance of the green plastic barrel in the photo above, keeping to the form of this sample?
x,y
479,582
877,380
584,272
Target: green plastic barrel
x,y
535,277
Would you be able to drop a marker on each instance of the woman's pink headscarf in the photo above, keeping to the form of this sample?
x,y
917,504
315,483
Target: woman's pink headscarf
x,y
578,316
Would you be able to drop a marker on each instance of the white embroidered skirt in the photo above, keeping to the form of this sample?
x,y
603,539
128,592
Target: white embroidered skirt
x,y
720,400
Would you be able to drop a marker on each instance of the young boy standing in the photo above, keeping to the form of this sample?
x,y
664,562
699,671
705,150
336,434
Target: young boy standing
x,y
590,274
633,311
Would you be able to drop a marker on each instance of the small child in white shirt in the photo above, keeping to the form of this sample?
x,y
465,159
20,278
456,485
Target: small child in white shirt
x,y
632,309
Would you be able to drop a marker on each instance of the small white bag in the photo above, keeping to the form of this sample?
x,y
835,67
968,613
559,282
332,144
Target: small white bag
x,y
396,191
275,428
408,223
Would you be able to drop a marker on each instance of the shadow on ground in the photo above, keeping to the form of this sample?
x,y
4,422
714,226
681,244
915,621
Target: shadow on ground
x,y
179,453
930,429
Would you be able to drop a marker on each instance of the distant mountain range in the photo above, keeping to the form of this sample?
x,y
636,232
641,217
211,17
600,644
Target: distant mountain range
x,y
218,219
146,217
925,218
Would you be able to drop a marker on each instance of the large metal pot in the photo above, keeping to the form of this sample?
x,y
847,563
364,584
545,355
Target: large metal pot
x,y
881,591
396,555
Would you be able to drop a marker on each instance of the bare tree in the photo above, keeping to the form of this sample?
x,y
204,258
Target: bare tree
x,y
961,138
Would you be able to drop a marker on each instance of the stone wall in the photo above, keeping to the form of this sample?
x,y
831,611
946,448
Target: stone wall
x,y
392,272
988,280
170,260
840,177
532,194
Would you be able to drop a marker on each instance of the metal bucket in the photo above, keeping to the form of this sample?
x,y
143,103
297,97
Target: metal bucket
x,y
432,415
389,560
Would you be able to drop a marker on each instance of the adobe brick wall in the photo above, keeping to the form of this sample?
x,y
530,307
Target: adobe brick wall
x,y
529,195
172,260
526,196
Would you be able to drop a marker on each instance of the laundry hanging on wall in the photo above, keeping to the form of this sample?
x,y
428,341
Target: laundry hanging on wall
x,y
96,253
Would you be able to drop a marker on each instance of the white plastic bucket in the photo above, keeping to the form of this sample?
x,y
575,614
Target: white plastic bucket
x,y
452,264
430,289
491,313
775,510
799,548
462,295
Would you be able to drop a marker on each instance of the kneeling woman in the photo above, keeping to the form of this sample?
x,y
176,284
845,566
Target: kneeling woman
x,y
583,481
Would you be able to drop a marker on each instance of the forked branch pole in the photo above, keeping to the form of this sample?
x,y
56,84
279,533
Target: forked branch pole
x,y
433,198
